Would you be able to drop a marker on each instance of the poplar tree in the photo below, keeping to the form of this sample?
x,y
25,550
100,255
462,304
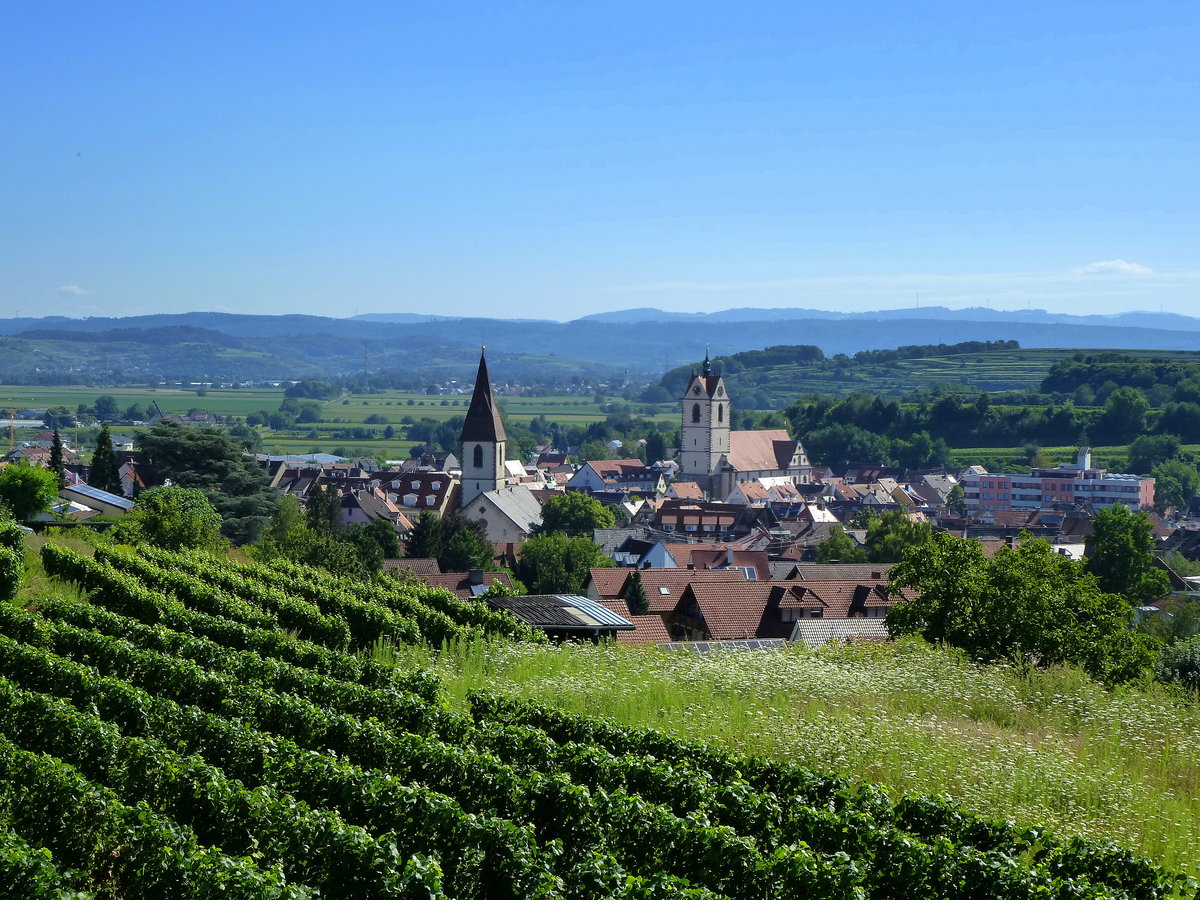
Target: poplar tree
x,y
57,464
104,474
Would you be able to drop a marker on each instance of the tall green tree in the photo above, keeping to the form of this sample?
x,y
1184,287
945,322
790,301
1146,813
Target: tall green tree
x,y
635,594
27,490
1027,604
322,509
212,461
556,564
425,539
458,544
1120,554
574,513
104,473
58,464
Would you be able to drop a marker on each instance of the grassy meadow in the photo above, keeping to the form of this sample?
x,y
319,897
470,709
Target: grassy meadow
x,y
1036,747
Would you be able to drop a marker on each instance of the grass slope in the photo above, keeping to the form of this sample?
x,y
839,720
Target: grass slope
x,y
1036,747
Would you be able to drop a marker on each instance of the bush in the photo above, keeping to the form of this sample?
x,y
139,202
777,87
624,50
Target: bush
x,y
1180,664
12,565
12,537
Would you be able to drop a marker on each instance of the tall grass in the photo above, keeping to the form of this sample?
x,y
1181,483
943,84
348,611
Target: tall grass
x,y
1048,748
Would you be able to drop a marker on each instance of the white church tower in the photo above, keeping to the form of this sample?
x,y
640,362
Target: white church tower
x,y
483,441
704,435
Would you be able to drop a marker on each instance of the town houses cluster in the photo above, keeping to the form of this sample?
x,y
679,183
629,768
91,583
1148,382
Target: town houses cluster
x,y
720,538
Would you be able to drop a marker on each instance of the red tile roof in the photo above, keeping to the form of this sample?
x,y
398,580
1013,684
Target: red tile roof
x,y
417,565
647,630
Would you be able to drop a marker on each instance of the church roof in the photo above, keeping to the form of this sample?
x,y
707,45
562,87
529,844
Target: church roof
x,y
758,451
483,418
708,384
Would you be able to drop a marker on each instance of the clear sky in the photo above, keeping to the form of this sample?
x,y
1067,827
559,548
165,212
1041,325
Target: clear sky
x,y
556,159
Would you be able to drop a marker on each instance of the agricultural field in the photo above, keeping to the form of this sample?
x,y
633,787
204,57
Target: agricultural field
x,y
173,725
1049,747
221,401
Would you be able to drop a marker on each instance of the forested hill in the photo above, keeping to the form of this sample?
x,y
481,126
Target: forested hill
x,y
222,345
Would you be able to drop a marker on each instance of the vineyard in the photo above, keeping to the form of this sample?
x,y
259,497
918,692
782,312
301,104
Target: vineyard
x,y
185,726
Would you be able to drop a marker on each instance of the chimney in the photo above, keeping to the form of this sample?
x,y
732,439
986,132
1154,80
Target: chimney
x,y
475,576
729,556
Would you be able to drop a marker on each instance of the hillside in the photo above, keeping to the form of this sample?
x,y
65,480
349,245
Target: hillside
x,y
163,736
775,377
224,346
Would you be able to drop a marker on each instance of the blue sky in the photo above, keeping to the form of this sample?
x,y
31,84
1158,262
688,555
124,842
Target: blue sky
x,y
552,160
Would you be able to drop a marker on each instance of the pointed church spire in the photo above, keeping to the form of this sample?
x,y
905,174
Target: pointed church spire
x,y
483,418
707,365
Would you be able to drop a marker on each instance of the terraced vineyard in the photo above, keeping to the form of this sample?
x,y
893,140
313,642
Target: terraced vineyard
x,y
190,727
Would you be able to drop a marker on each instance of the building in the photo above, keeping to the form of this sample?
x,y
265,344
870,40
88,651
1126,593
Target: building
x,y
716,457
483,441
1056,487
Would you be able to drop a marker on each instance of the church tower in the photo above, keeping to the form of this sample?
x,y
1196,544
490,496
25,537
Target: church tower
x,y
704,435
483,441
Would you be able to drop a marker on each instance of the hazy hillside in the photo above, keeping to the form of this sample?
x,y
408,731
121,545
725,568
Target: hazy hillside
x,y
644,341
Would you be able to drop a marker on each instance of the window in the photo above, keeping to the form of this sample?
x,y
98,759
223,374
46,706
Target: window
x,y
695,412
720,413
666,592
478,457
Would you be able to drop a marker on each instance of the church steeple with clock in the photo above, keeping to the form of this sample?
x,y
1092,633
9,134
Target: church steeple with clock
x,y
704,435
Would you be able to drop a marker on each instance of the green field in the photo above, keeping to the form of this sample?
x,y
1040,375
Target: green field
x,y
347,411
222,402
1051,747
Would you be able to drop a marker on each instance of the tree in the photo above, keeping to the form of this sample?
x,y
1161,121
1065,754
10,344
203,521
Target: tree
x,y
106,407
210,460
574,513
458,544
57,464
27,490
956,501
556,564
1124,414
466,548
1151,449
891,534
1175,484
173,518
1028,604
287,521
656,447
425,539
104,474
1120,554
839,547
635,595
322,509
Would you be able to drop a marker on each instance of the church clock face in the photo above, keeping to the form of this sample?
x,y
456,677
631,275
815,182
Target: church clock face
x,y
696,390
720,392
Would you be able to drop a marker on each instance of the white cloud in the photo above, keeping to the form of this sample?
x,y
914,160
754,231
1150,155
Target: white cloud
x,y
1113,267
75,290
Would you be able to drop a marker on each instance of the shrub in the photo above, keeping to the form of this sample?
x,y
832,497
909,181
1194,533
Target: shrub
x,y
12,565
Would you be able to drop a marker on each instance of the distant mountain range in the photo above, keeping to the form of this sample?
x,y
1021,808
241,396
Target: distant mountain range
x,y
202,345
